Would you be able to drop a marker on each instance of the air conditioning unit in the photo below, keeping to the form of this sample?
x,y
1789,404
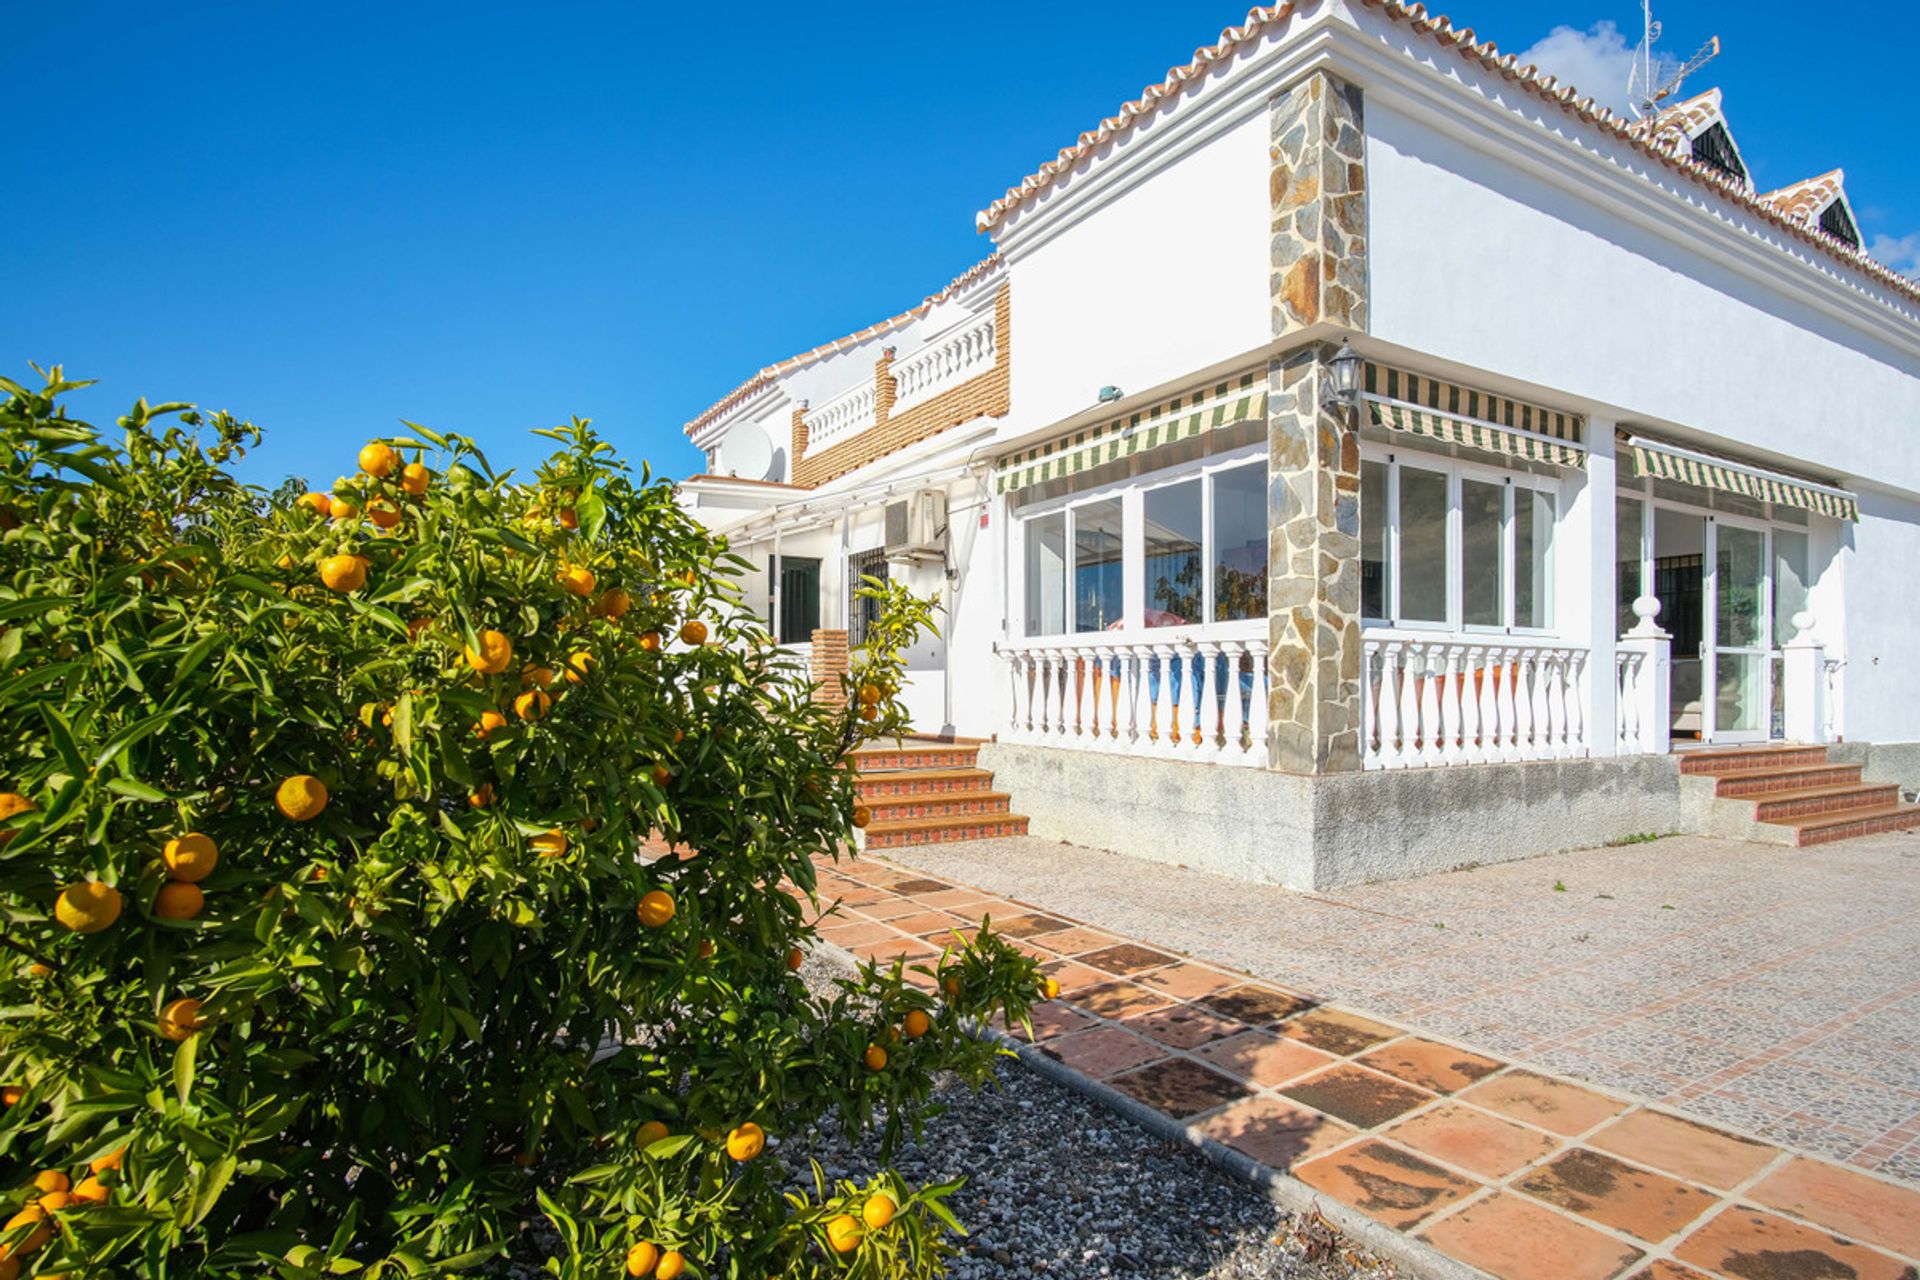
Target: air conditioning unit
x,y
917,526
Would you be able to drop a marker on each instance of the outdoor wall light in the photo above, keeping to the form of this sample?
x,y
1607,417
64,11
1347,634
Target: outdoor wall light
x,y
1343,377
1109,394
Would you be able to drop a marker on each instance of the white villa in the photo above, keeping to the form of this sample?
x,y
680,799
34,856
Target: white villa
x,y
1362,455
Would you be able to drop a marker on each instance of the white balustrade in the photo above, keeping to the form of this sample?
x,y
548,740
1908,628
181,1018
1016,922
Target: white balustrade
x,y
847,414
1452,700
1835,675
964,352
1200,697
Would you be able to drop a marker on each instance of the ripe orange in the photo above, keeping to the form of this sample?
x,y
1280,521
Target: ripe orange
x,y
12,805
344,574
875,1057
951,986
869,694
671,1265
916,1024
38,970
190,857
318,503
536,677
662,775
28,1217
705,950
795,958
87,907
181,1018
11,1094
641,1259
383,513
579,666
568,518
378,459
843,1233
656,908
650,641
301,797
533,704
694,632
487,723
482,797
576,580
687,578
91,1191
178,900
869,712
112,1160
50,1180
418,627
614,604
1051,988
414,477
651,1132
549,844
862,815
490,656
879,1211
746,1142
341,509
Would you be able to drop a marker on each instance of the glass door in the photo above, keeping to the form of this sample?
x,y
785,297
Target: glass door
x,y
1740,670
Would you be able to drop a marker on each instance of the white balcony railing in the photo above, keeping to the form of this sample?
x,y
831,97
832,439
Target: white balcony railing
x,y
963,353
847,414
1457,700
1199,697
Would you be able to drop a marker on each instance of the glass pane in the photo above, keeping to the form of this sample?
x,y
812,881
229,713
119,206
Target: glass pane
x,y
1047,574
1423,545
799,599
1532,558
1738,705
1240,543
1482,575
1628,551
1376,575
1096,565
1789,582
1173,554
1739,571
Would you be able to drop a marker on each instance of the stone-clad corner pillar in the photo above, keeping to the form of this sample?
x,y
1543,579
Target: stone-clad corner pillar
x,y
1317,181
1313,573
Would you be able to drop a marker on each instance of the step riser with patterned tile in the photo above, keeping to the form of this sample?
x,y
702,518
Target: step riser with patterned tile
x,y
880,759
911,807
1814,806
1760,784
1734,760
946,830
1906,820
876,787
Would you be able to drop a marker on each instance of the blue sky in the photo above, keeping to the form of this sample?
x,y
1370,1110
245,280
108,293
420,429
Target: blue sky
x,y
487,217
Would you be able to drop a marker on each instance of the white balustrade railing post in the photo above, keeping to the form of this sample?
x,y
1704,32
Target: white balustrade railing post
x,y
1833,698
1257,704
1163,702
1652,691
1208,718
1369,705
1805,672
1553,692
1394,734
1429,705
1472,678
1232,744
1017,721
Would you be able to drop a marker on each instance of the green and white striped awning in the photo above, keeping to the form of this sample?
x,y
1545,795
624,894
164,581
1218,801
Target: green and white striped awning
x,y
1237,400
1704,471
1423,406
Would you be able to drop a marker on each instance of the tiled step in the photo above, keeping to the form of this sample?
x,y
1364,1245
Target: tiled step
x,y
1814,802
1757,782
1720,760
920,782
1858,822
878,757
985,826
941,804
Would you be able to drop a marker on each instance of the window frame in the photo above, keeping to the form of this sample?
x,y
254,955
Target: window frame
x,y
1457,471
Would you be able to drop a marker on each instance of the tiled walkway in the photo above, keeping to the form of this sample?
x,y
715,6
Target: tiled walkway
x,y
1521,1174
1768,989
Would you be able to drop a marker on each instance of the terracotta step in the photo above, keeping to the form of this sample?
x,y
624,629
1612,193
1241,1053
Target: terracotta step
x,y
1813,802
1830,827
1720,760
920,782
877,758
1757,782
942,804
983,826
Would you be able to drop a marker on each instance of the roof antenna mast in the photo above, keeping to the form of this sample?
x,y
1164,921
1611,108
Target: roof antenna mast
x,y
1654,77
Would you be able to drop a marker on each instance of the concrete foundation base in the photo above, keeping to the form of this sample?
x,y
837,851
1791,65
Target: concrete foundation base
x,y
1322,832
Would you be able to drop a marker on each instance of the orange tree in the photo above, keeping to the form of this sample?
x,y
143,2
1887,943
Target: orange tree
x,y
336,939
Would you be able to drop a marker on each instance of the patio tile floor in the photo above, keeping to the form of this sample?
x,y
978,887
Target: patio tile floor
x,y
1518,1172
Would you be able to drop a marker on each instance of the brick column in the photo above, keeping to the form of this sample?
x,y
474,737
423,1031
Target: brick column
x,y
799,443
1319,261
884,388
829,665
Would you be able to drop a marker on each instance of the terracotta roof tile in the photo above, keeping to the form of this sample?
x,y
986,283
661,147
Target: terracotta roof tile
x,y
1461,39
1804,202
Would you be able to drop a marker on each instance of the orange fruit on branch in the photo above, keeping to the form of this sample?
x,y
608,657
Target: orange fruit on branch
x,y
869,694
879,1210
875,1057
490,653
576,580
301,797
746,1141
112,1160
862,815
87,907
319,503
916,1024
656,908
671,1265
181,1018
536,677
795,958
843,1233
650,642
33,1216
91,1191
50,1180
178,900
414,478
344,573
341,509
482,797
12,805
614,604
378,459
642,1258
533,704
487,723
190,857
651,1132
569,519
693,632
579,666
549,844
383,513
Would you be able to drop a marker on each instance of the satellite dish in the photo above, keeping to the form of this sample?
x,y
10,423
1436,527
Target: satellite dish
x,y
748,454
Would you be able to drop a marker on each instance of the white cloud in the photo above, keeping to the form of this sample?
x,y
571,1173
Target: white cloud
x,y
1902,253
1596,61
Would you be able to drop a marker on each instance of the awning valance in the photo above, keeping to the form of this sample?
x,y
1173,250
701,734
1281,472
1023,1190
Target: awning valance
x,y
1723,475
1241,399
1423,406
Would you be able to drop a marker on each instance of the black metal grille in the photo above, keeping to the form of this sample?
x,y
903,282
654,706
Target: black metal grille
x,y
1837,224
1714,146
861,611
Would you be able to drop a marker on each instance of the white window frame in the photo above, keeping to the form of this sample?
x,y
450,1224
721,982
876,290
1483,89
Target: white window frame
x,y
1457,470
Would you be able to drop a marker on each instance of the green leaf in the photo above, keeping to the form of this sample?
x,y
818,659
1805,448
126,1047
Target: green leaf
x,y
62,734
183,1060
213,1184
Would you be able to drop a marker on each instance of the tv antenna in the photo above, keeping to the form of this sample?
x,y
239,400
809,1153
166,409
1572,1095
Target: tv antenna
x,y
1654,77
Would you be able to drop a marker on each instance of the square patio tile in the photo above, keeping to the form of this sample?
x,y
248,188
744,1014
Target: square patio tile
x,y
921,884
923,923
1264,1058
1028,926
1256,1005
1684,1148
1080,938
1338,1032
961,901
1667,1269
1185,981
1430,1064
1473,1140
1126,959
1184,1026
1275,1132
888,949
1384,1182
1517,1240
1541,1100
1179,1087
1055,1019
1102,1051
851,935
1073,976
1842,1200
1755,1245
1120,999
1650,1206
893,909
1361,1098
